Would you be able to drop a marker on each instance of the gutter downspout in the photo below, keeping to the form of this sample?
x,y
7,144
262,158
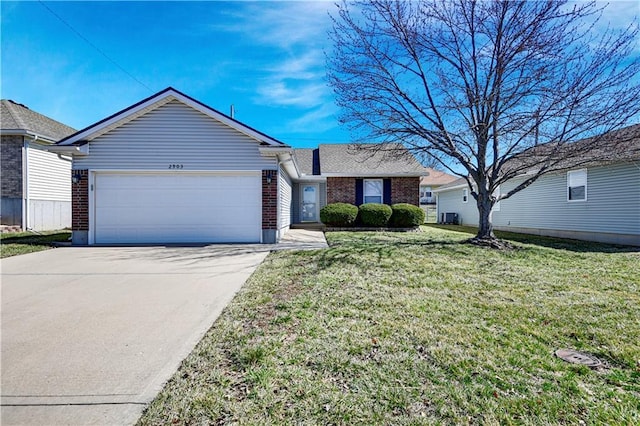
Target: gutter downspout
x,y
25,184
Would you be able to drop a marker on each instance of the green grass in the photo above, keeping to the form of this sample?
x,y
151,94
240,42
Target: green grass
x,y
15,243
417,328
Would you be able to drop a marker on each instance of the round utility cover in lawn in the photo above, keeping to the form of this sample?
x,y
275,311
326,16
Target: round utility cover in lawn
x,y
576,357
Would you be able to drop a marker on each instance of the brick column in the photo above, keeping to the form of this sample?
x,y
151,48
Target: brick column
x,y
80,207
269,206
405,190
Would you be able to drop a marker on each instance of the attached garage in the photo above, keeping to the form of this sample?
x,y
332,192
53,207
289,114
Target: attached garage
x,y
171,169
177,208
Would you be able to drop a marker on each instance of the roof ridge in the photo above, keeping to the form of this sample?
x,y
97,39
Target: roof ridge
x,y
16,117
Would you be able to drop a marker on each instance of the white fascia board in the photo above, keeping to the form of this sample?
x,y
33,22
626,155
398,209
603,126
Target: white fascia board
x,y
311,178
79,150
449,188
41,139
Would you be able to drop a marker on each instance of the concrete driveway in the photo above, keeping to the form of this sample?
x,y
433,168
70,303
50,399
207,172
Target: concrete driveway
x,y
90,335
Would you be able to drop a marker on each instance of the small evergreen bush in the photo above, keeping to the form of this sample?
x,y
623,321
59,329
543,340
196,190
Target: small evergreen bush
x,y
406,216
375,215
339,214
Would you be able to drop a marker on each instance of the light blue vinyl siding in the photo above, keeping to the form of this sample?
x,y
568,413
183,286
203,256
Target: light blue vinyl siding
x,y
174,134
612,205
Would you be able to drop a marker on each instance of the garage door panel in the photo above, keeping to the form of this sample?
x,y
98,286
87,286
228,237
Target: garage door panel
x,y
174,208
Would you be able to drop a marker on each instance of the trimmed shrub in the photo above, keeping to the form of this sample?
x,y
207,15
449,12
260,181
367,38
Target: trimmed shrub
x,y
375,215
406,216
339,214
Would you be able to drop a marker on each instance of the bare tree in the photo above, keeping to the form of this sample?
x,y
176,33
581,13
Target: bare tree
x,y
498,87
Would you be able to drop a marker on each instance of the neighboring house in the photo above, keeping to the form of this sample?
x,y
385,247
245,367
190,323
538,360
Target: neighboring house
x,y
599,201
433,181
353,174
170,169
36,184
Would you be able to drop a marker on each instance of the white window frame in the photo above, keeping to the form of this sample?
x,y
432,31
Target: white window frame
x,y
365,194
465,195
572,176
496,193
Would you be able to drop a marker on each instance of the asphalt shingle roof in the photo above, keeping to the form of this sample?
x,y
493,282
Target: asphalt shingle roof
x,y
304,160
436,177
367,159
15,116
617,146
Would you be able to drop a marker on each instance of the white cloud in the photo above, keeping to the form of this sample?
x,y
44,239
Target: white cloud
x,y
296,35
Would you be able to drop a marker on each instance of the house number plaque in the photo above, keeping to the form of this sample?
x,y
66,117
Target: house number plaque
x,y
176,166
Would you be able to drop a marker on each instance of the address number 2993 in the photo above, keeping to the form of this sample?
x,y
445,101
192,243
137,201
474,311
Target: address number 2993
x,y
176,166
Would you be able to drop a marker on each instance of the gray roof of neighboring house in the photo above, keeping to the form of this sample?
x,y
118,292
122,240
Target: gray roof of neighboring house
x,y
612,147
358,160
15,116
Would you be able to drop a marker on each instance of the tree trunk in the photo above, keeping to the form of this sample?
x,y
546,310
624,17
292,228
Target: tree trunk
x,y
485,226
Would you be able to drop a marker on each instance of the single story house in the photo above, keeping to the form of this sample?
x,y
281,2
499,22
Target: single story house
x,y
171,169
599,201
434,180
354,174
36,184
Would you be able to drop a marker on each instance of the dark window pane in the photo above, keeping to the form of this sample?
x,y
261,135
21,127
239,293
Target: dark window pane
x,y
577,193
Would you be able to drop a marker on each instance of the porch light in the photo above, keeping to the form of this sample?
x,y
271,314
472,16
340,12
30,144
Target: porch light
x,y
76,177
269,176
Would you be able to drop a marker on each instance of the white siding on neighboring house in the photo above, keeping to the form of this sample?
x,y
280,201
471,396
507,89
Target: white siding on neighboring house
x,y
48,189
284,201
49,177
451,202
174,136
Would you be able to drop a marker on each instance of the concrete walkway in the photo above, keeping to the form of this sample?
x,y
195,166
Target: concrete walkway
x,y
302,239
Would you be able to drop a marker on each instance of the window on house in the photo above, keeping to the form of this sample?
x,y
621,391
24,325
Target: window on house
x,y
465,195
373,191
577,185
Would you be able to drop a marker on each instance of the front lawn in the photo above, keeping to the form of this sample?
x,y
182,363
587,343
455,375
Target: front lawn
x,y
15,243
416,328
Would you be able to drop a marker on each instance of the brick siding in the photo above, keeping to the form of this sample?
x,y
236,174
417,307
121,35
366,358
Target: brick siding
x,y
270,200
341,190
11,166
405,190
80,201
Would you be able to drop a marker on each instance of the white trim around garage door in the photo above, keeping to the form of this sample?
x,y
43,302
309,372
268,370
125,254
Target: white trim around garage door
x,y
217,207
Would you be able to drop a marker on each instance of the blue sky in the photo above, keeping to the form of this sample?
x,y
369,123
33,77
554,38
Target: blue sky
x,y
266,58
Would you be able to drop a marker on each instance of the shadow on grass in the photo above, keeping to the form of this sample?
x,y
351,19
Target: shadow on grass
x,y
35,239
578,246
350,252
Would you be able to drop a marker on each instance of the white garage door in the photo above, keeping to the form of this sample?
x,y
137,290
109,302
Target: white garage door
x,y
177,208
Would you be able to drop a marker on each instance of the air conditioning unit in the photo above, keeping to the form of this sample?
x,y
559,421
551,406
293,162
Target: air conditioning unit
x,y
449,218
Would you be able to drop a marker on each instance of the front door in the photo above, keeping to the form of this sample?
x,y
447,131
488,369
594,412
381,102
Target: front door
x,y
309,210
